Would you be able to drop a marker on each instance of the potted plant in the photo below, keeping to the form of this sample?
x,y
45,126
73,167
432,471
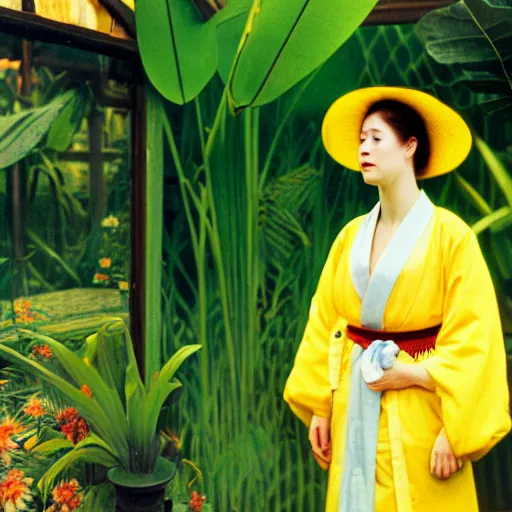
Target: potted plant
x,y
120,413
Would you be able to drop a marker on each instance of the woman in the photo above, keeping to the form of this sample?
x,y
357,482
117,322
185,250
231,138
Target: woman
x,y
410,272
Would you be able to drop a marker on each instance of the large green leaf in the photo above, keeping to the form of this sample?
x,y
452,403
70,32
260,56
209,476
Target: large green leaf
x,y
68,121
20,133
274,56
176,47
179,49
477,36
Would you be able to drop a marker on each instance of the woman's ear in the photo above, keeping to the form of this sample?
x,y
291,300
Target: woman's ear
x,y
410,147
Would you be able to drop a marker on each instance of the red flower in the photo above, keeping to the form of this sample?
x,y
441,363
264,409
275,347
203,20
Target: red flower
x,y
196,502
73,425
43,351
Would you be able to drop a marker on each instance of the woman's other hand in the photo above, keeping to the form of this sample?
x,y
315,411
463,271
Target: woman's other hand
x,y
443,462
320,437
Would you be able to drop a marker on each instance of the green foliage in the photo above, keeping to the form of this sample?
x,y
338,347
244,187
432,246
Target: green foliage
x,y
179,49
20,133
475,36
121,435
273,57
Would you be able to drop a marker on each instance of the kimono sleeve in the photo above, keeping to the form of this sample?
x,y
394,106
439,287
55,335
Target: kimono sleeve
x,y
308,390
469,364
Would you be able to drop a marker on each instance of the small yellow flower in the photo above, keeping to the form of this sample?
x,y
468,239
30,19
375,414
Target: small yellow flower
x,y
110,222
105,262
123,285
3,383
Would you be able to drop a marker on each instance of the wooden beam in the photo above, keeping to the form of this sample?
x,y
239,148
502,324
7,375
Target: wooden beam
x,y
396,12
30,26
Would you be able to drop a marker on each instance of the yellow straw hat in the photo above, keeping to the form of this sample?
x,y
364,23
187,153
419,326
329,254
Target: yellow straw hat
x,y
449,135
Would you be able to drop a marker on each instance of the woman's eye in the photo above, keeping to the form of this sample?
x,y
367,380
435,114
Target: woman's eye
x,y
362,140
376,138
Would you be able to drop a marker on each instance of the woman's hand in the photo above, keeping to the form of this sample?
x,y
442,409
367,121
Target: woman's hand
x,y
320,437
403,375
397,377
443,462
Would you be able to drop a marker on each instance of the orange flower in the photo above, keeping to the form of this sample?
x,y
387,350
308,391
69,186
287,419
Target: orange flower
x,y
66,497
86,390
98,278
3,383
15,491
34,408
8,428
105,262
196,502
10,64
73,425
43,351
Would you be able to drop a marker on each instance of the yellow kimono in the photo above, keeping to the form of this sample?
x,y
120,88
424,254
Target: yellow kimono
x,y
432,272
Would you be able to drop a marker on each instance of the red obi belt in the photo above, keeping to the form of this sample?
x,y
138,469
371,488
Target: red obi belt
x,y
412,342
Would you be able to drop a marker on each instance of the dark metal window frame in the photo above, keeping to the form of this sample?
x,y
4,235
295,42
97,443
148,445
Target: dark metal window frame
x,y
32,27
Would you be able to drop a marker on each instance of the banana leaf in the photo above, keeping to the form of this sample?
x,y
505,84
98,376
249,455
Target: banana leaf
x,y
178,48
475,35
274,56
20,133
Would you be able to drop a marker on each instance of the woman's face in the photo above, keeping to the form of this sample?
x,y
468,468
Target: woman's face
x,y
383,157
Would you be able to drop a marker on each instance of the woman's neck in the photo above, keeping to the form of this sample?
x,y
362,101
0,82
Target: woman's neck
x,y
397,199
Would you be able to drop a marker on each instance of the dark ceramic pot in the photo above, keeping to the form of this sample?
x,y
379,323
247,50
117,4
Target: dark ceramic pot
x,y
139,492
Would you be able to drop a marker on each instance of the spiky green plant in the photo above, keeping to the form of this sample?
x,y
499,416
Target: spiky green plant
x,y
122,413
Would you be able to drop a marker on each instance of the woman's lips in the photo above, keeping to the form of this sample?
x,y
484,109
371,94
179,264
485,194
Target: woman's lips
x,y
365,165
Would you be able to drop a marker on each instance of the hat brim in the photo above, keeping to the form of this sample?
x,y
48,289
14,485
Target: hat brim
x,y
449,135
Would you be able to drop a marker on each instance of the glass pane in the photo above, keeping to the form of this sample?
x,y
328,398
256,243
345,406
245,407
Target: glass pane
x,y
65,190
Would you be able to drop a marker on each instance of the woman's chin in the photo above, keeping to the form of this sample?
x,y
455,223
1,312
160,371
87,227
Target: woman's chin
x,y
370,178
